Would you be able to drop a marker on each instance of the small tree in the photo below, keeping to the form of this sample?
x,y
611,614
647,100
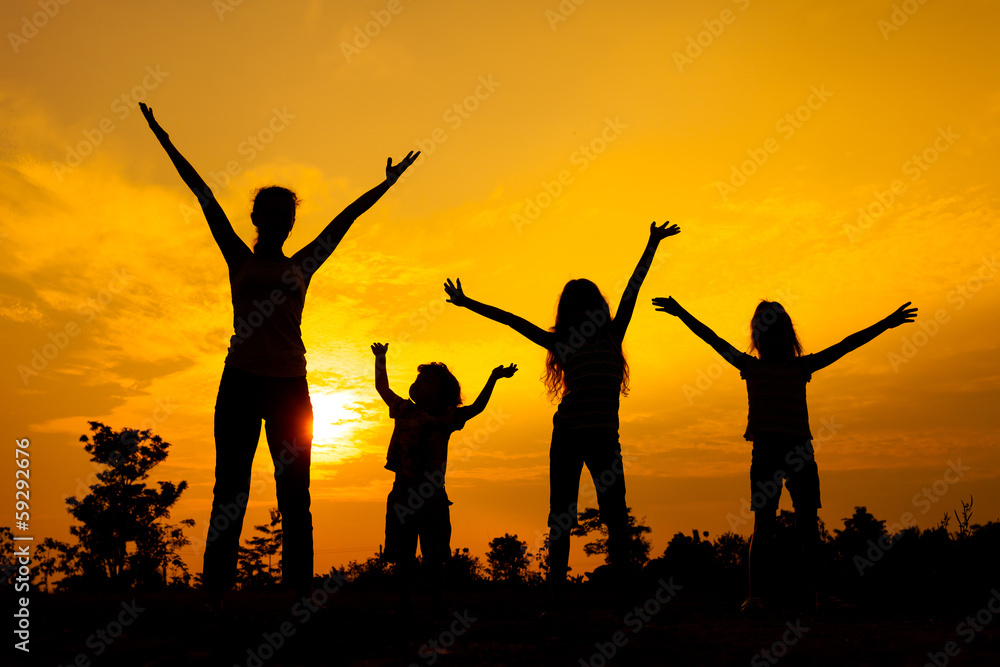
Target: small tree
x,y
121,509
637,544
508,559
252,569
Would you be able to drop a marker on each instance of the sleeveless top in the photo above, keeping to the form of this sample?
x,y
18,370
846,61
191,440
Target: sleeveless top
x,y
268,296
593,380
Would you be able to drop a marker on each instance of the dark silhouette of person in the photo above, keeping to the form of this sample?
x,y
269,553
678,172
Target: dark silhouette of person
x,y
586,369
778,426
418,505
265,369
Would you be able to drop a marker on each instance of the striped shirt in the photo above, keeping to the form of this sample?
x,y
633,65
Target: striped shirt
x,y
776,393
593,380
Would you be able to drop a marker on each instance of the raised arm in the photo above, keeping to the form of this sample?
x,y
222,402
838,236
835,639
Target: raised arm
x,y
468,412
320,248
627,305
725,350
522,326
902,315
232,246
381,375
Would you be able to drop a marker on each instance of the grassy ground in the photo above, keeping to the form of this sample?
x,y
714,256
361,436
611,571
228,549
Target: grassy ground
x,y
487,626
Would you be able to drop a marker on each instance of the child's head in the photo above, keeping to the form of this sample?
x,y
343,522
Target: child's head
x,y
273,213
582,318
772,335
435,387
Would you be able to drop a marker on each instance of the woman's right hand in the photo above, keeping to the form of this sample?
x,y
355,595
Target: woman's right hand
x,y
455,293
379,349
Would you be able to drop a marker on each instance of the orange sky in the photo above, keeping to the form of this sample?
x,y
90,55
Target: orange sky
x,y
549,145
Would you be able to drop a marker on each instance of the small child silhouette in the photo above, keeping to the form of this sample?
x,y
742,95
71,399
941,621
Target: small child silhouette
x,y
418,507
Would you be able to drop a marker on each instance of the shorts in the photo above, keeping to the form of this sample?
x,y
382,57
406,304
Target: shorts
x,y
417,511
777,457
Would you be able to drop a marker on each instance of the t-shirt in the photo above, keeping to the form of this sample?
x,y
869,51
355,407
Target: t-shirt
x,y
268,296
776,393
419,442
592,376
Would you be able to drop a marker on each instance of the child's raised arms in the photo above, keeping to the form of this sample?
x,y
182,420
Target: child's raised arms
x,y
627,304
469,411
535,334
670,306
902,315
382,377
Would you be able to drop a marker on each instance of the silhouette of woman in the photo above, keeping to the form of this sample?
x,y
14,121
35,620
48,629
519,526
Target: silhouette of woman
x,y
586,369
265,369
778,426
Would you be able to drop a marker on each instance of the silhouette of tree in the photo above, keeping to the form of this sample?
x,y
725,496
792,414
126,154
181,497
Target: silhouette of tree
x,y
638,544
121,509
508,559
252,570
463,567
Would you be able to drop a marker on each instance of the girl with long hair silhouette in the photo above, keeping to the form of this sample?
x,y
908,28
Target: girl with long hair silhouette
x,y
586,370
265,369
778,426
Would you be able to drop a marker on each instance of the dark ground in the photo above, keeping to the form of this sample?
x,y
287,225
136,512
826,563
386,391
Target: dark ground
x,y
489,626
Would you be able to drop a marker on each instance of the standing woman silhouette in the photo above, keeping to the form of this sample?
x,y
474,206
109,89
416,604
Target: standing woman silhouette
x,y
586,369
265,370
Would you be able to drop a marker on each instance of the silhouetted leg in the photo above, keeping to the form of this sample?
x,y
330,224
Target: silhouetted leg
x,y
237,430
289,437
604,460
565,466
401,530
435,544
762,551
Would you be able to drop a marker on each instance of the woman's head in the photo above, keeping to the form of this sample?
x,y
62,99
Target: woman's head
x,y
772,335
582,318
273,214
435,387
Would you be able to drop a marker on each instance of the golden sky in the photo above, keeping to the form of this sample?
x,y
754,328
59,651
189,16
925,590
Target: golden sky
x,y
839,159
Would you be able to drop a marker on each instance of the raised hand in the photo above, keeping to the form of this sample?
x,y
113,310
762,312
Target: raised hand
x,y
667,304
379,349
902,315
504,371
455,293
660,233
392,173
153,125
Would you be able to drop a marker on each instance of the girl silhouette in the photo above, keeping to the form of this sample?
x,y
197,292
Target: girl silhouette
x,y
587,371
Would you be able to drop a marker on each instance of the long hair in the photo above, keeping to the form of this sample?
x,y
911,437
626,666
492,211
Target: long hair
x,y
451,390
582,317
274,205
772,334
